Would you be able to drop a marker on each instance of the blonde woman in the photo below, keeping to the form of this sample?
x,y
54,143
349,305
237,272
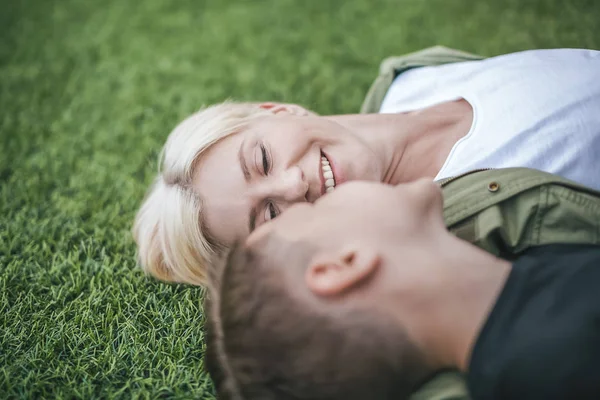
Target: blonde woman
x,y
231,167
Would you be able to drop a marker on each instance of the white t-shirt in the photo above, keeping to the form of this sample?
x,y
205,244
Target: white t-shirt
x,y
538,109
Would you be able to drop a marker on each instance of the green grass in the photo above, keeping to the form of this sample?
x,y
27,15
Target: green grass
x,y
88,92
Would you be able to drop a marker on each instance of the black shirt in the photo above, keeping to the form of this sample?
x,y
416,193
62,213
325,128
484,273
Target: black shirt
x,y
542,338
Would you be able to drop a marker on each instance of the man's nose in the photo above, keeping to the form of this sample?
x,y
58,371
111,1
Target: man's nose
x,y
291,185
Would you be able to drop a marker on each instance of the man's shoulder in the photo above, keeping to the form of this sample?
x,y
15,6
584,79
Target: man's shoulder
x,y
540,339
556,254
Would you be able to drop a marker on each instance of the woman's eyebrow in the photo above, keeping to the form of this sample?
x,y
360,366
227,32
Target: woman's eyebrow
x,y
243,164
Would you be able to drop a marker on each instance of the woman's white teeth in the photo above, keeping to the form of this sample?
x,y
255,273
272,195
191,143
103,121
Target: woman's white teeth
x,y
327,175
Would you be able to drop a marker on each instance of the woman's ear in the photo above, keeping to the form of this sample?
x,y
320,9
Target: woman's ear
x,y
293,109
334,273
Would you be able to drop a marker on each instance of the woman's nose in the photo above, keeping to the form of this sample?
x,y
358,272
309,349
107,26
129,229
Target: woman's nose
x,y
292,186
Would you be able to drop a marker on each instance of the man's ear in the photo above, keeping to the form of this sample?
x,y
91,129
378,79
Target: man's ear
x,y
293,109
334,273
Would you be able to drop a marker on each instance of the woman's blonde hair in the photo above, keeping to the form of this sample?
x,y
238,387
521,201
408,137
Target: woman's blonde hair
x,y
173,243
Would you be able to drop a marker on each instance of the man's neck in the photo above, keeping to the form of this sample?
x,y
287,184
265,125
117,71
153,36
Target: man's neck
x,y
446,313
411,145
476,298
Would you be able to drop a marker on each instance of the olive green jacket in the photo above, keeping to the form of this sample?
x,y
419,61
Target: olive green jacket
x,y
504,211
507,211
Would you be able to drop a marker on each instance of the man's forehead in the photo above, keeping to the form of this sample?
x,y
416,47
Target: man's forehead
x,y
277,251
293,224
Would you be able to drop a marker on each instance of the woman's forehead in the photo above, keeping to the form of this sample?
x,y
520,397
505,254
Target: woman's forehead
x,y
219,180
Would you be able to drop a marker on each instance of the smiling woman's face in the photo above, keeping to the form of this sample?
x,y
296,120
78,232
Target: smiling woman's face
x,y
250,177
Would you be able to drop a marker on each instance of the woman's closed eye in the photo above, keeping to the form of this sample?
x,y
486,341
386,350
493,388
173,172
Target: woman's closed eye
x,y
266,160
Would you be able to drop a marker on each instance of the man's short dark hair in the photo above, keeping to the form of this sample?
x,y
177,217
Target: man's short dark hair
x,y
266,341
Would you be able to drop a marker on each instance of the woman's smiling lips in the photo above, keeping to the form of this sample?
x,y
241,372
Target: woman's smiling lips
x,y
327,174
321,179
328,178
337,171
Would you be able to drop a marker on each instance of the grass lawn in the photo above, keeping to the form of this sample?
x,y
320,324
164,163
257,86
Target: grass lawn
x,y
89,91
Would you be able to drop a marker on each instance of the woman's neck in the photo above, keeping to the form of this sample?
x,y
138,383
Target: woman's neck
x,y
414,144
